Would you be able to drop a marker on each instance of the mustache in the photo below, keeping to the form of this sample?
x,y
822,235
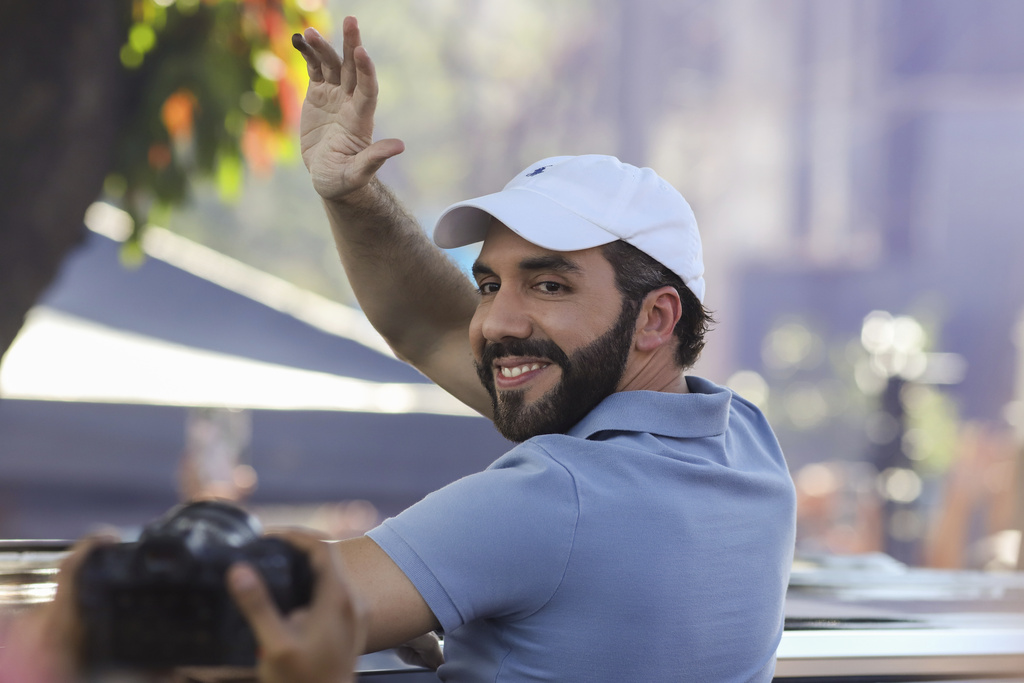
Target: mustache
x,y
539,348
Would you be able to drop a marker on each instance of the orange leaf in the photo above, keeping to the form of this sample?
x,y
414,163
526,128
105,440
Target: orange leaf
x,y
290,101
273,23
177,114
258,146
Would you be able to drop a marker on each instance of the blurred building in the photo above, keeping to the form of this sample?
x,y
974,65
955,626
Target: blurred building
x,y
904,193
906,184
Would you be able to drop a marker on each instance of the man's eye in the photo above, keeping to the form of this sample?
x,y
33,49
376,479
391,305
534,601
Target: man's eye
x,y
488,288
550,287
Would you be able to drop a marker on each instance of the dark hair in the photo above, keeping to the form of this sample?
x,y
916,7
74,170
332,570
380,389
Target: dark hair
x,y
637,275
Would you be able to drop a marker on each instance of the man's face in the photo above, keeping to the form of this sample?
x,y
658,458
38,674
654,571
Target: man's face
x,y
548,337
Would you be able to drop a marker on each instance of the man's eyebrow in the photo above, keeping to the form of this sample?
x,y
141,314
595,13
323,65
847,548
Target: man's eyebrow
x,y
552,262
481,270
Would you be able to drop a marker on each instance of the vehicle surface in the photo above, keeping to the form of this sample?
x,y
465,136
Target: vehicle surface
x,y
865,619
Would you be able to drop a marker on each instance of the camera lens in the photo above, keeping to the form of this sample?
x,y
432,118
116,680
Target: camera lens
x,y
204,524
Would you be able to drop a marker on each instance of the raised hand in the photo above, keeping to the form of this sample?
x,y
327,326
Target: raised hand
x,y
337,115
412,293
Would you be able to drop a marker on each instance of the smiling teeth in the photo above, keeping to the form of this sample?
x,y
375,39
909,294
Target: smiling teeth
x,y
518,370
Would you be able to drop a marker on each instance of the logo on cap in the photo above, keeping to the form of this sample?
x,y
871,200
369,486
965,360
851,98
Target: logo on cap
x,y
536,171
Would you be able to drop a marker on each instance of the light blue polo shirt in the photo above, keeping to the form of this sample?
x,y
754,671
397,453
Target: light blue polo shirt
x,y
651,543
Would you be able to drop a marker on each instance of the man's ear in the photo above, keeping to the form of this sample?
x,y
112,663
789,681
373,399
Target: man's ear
x,y
656,322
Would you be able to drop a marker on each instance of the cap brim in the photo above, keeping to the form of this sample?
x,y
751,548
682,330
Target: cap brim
x,y
531,215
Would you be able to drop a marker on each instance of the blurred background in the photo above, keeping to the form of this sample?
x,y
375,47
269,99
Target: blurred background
x,y
856,166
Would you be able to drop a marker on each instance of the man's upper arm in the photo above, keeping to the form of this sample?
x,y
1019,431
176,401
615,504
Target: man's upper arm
x,y
492,545
397,611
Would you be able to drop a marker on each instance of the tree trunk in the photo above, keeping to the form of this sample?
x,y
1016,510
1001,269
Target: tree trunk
x,y
61,86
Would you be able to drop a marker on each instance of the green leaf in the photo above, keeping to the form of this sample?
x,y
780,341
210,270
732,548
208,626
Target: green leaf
x,y
131,254
229,177
142,38
130,57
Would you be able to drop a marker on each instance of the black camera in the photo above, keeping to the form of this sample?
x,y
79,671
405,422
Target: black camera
x,y
162,601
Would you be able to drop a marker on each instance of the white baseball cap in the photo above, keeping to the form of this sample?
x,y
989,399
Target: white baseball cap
x,y
570,203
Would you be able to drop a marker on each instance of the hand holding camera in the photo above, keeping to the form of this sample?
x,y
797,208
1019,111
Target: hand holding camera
x,y
311,645
200,588
162,601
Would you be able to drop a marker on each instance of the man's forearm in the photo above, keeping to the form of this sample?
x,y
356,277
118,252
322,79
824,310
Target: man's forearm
x,y
409,290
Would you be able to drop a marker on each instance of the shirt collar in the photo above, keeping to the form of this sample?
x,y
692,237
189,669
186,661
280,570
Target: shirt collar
x,y
701,413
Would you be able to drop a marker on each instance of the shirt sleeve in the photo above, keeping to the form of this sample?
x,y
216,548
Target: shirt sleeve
x,y
491,545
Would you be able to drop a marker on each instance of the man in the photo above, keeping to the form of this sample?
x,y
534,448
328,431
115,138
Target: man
x,y
643,528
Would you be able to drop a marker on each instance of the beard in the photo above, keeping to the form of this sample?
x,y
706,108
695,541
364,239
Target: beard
x,y
589,375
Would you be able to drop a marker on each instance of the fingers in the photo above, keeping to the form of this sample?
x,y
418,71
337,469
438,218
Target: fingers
x,y
323,63
256,605
350,33
53,633
424,650
365,84
313,69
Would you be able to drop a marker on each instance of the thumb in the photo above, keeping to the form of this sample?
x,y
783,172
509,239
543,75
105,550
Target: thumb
x,y
374,156
255,604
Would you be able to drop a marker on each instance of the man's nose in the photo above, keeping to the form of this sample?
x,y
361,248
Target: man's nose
x,y
506,318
